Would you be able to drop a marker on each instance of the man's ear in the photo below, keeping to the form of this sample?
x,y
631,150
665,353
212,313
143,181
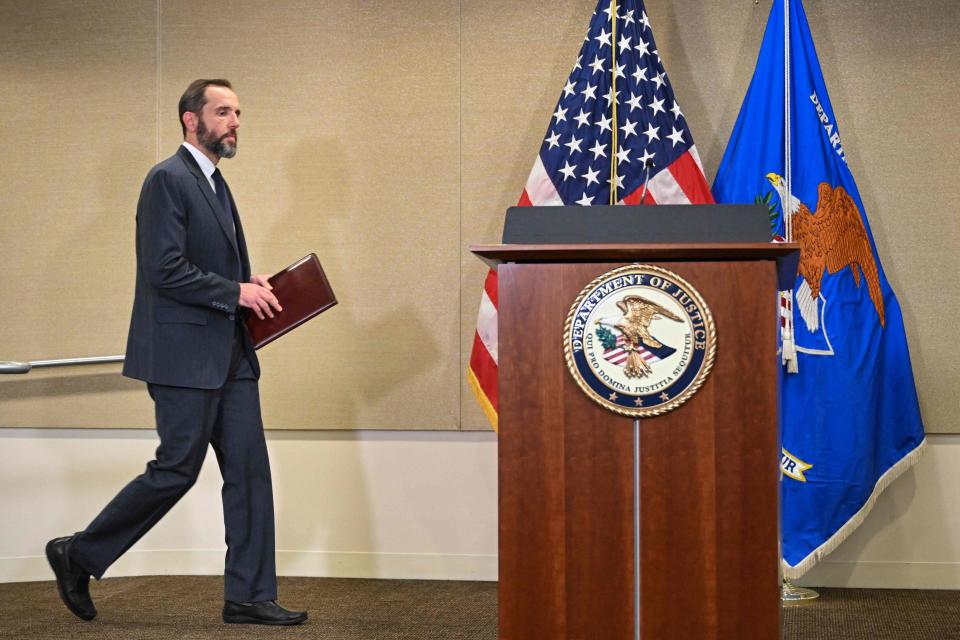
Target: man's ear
x,y
190,121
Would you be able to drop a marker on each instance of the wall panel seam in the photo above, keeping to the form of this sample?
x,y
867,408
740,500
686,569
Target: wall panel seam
x,y
460,198
159,70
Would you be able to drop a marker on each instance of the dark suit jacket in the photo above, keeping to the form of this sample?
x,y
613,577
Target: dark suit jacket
x,y
189,266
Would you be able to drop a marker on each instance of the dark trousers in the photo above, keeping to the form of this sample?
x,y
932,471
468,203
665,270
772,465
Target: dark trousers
x,y
188,420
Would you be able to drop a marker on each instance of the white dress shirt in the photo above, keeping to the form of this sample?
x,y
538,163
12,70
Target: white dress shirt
x,y
205,165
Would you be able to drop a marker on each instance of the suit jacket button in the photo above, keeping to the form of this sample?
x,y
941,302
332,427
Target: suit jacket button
x,y
232,317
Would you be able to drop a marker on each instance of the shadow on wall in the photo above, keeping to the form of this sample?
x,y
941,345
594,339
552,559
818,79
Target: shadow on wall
x,y
346,357
362,351
325,508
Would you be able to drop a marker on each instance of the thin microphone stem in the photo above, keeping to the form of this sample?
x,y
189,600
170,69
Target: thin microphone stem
x,y
646,178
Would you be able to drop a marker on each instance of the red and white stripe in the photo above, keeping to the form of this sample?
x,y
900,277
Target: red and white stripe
x,y
540,191
786,310
680,183
482,373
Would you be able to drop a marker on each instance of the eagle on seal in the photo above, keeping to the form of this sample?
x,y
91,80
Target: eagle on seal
x,y
830,239
638,313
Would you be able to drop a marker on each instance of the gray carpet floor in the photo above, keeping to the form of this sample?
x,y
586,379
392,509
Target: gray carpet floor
x,y
188,608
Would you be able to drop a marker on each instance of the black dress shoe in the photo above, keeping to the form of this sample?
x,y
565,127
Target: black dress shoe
x,y
72,581
266,612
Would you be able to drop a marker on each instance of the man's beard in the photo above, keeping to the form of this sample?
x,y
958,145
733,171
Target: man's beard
x,y
217,146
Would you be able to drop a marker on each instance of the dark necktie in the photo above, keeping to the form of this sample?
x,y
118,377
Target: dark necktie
x,y
221,187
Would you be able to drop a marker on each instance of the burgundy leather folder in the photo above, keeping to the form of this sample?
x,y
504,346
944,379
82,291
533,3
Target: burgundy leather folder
x,y
303,292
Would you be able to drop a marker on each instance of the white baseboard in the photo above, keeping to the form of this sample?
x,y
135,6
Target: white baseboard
x,y
884,575
313,564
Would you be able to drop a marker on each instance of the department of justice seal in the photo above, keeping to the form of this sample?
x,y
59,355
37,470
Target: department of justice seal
x,y
639,340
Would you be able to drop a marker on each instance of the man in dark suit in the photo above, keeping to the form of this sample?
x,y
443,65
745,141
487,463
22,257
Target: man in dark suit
x,y
188,342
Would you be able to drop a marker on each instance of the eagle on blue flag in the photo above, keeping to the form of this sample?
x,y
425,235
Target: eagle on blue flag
x,y
832,238
849,416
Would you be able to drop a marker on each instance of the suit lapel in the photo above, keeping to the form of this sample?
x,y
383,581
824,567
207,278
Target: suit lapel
x,y
224,218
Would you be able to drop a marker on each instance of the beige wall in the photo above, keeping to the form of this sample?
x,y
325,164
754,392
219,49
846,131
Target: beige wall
x,y
387,137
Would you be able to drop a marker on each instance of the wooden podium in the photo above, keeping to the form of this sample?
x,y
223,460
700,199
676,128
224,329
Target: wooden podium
x,y
707,504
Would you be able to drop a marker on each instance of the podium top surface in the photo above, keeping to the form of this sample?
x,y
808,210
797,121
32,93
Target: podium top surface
x,y
662,223
494,254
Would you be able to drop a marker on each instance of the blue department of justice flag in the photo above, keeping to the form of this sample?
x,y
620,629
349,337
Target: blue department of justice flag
x,y
850,420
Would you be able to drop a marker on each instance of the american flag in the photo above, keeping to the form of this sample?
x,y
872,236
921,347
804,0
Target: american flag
x,y
576,156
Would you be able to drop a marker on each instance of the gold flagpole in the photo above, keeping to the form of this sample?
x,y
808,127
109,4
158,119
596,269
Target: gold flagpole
x,y
613,102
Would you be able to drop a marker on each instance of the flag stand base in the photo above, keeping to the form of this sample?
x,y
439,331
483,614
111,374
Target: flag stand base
x,y
791,595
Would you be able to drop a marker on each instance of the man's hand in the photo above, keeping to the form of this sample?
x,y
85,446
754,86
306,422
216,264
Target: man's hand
x,y
262,280
256,295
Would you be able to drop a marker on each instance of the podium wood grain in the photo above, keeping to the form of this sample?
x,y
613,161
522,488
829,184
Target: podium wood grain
x,y
709,552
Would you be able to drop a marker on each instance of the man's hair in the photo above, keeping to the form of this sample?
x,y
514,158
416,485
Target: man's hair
x,y
194,97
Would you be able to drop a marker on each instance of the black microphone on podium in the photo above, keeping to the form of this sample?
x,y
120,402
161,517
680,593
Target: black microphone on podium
x,y
646,177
